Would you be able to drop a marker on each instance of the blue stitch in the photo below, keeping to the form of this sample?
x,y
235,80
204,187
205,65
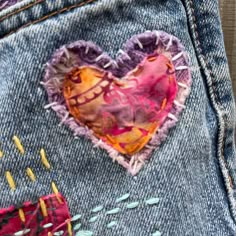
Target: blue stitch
x,y
77,227
84,233
93,219
113,211
132,205
111,224
97,209
157,233
122,198
76,217
152,201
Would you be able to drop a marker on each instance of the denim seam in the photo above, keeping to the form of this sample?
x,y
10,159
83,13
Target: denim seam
x,y
21,9
50,15
215,102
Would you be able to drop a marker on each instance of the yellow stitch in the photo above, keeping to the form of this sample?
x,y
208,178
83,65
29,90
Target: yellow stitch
x,y
44,159
43,207
55,190
69,228
10,180
18,144
31,174
1,154
21,215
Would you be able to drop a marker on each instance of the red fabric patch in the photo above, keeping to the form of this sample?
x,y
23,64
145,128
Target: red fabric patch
x,y
57,215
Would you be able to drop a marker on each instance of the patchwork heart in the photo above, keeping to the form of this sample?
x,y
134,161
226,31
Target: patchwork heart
x,y
124,106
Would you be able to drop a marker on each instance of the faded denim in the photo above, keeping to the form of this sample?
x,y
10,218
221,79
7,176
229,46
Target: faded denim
x,y
193,172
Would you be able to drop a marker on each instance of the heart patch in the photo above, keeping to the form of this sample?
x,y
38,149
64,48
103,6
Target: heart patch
x,y
125,106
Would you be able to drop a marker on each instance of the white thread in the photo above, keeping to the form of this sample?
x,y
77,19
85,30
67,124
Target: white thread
x,y
115,63
158,37
108,64
86,49
64,118
179,104
176,57
172,117
181,68
124,53
22,232
44,83
135,165
132,161
139,43
99,57
66,52
169,43
182,85
141,160
3,5
50,105
47,225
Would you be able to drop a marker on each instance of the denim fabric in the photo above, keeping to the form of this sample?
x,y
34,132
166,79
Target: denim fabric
x,y
193,172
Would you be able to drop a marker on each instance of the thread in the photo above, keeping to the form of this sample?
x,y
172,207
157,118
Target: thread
x,y
18,144
152,201
77,226
111,224
69,228
55,190
97,209
43,207
122,198
22,232
44,159
132,205
21,215
10,180
1,154
31,174
93,219
76,217
48,225
113,211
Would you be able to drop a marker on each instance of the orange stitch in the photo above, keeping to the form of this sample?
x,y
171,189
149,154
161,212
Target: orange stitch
x,y
44,159
21,9
10,180
49,234
43,207
163,104
21,215
31,174
52,14
18,144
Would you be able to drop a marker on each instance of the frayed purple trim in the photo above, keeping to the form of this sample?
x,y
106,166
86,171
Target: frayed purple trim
x,y
82,53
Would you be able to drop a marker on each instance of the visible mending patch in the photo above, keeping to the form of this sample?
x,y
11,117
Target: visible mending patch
x,y
45,217
125,106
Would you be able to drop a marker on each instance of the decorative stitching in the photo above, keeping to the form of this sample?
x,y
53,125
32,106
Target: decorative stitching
x,y
21,9
216,105
44,159
18,144
128,137
50,15
10,180
31,174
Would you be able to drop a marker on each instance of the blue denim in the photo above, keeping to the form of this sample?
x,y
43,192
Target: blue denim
x,y
192,173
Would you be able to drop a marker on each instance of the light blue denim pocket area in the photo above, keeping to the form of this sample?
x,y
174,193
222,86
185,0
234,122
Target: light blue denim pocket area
x,y
192,174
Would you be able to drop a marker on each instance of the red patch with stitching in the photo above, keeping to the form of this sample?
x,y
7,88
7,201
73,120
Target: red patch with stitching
x,y
49,214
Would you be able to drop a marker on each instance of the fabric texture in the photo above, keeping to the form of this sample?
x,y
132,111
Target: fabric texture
x,y
192,173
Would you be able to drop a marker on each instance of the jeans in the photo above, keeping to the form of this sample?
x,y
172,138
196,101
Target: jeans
x,y
192,173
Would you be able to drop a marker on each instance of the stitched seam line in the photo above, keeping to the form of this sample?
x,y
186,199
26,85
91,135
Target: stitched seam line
x,y
50,15
216,105
21,9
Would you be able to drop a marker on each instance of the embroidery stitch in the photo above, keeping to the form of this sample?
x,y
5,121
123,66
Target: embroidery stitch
x,y
31,174
124,116
10,180
44,159
18,144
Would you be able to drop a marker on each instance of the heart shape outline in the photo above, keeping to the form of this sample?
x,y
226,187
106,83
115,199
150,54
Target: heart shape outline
x,y
136,49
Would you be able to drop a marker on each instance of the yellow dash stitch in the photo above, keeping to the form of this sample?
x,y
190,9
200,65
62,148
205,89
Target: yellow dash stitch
x,y
10,180
43,207
55,190
69,228
44,159
18,144
31,174
1,154
21,215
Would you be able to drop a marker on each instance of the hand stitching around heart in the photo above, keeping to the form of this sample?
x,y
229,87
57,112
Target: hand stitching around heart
x,y
124,106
